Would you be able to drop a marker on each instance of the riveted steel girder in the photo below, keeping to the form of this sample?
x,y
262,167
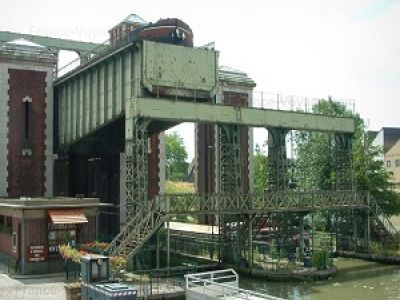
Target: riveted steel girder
x,y
182,111
54,43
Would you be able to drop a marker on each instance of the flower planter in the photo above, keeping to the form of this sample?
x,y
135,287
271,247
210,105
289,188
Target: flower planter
x,y
73,293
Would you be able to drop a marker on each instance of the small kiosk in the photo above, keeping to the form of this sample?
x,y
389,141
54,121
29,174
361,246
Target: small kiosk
x,y
96,283
31,230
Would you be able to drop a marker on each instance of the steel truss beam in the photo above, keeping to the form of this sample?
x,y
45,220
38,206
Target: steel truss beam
x,y
274,201
54,43
183,111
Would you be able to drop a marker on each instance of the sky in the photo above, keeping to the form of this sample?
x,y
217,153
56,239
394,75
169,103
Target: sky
x,y
349,50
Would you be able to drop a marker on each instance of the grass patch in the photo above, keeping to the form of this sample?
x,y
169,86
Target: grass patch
x,y
179,187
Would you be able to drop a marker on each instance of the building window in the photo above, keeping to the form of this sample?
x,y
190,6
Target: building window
x,y
5,225
397,162
60,234
27,117
14,241
9,222
388,163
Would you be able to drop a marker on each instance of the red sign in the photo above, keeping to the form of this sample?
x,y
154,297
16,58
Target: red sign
x,y
37,253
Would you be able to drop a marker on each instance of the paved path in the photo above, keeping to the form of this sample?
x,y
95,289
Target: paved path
x,y
31,289
396,222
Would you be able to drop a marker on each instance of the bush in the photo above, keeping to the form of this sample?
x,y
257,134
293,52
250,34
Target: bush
x,y
321,260
67,252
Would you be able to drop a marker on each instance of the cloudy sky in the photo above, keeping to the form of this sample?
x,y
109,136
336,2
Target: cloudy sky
x,y
348,49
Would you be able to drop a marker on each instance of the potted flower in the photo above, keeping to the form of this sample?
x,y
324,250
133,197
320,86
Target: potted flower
x,y
117,263
73,290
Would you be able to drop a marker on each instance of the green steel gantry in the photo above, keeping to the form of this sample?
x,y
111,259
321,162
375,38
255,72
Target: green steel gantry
x,y
54,44
152,86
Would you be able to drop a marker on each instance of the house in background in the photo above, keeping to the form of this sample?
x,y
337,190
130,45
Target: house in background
x,y
392,163
389,139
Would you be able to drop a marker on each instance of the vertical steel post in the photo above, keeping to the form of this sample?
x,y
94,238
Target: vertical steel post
x,y
230,183
355,229
250,242
137,168
277,160
301,236
168,246
343,157
230,166
344,174
158,249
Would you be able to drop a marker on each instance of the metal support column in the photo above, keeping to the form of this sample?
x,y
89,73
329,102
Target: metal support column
x,y
343,157
301,236
250,243
168,246
344,181
277,160
137,168
367,231
230,184
230,164
355,229
158,249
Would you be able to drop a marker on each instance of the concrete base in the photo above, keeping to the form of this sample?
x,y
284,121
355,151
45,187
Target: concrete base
x,y
304,274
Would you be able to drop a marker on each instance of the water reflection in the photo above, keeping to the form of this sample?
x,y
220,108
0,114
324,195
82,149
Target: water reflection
x,y
355,280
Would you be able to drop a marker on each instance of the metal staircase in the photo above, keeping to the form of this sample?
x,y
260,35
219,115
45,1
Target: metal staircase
x,y
381,224
260,222
138,230
148,219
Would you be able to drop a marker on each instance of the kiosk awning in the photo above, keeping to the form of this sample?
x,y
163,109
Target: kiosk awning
x,y
67,216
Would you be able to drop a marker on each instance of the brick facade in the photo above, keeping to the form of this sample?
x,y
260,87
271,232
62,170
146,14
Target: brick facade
x,y
26,169
4,98
205,140
6,243
87,232
206,147
36,232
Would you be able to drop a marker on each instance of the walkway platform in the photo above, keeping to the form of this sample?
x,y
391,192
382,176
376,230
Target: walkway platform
x,y
193,228
222,284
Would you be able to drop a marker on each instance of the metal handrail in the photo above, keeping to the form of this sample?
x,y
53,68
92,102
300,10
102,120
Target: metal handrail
x,y
279,101
151,216
381,216
222,290
275,200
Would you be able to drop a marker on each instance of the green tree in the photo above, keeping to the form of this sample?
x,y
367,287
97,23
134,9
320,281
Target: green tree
x,y
176,155
316,160
260,161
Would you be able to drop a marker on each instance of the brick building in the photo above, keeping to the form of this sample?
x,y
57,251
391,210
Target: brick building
x,y
33,228
236,88
29,230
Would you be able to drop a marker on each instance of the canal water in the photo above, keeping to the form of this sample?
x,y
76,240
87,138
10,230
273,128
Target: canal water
x,y
355,280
